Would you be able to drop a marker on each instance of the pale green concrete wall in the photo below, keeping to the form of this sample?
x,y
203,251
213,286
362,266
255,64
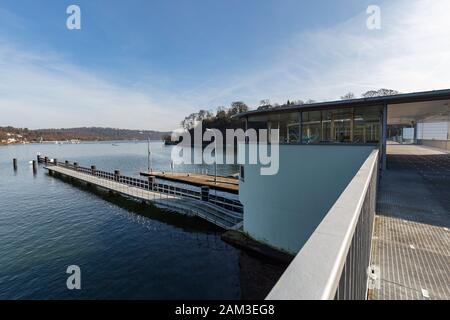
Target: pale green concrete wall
x,y
284,209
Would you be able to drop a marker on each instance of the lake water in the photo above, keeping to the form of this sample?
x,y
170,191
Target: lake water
x,y
124,249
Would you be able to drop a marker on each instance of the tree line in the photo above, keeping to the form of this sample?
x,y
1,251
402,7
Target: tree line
x,y
83,133
223,119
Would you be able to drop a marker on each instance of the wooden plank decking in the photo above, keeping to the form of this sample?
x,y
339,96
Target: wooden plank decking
x,y
223,183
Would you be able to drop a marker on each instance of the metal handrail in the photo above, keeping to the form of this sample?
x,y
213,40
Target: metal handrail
x,y
228,204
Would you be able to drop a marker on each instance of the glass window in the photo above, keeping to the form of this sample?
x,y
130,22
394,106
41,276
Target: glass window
x,y
289,126
326,126
367,125
257,122
342,125
293,133
345,125
311,126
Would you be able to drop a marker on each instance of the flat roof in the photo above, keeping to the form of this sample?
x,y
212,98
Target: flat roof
x,y
393,99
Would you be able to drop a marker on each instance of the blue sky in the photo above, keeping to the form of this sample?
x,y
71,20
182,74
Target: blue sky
x,y
147,64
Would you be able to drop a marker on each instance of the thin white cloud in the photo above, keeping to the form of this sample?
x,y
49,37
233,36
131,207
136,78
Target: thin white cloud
x,y
44,91
409,53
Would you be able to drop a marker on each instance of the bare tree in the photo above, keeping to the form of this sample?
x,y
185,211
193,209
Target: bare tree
x,y
264,103
190,121
380,93
348,96
221,113
204,115
237,107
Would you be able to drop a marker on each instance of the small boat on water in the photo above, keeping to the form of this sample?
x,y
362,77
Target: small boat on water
x,y
170,143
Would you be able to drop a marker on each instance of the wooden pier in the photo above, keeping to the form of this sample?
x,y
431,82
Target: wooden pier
x,y
226,184
221,211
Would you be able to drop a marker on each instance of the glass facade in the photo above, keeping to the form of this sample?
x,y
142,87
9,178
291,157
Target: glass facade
x,y
359,125
367,125
289,126
287,123
346,125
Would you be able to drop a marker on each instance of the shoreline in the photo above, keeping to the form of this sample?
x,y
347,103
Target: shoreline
x,y
80,142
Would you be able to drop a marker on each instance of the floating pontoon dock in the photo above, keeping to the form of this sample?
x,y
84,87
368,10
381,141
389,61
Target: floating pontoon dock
x,y
219,210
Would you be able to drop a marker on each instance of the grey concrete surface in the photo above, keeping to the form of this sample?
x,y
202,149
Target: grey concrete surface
x,y
411,242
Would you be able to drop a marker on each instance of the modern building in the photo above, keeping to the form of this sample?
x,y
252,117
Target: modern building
x,y
322,146
321,204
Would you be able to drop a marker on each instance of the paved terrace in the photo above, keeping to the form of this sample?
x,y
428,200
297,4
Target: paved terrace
x,y
411,243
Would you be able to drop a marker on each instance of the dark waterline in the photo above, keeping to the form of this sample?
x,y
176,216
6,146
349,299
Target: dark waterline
x,y
124,249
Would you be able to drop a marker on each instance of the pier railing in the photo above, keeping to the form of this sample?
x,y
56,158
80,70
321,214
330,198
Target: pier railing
x,y
334,263
231,205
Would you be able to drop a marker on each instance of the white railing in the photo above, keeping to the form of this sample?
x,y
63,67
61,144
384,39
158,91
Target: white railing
x,y
334,262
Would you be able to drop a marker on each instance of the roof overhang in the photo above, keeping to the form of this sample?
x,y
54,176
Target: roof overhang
x,y
406,98
424,111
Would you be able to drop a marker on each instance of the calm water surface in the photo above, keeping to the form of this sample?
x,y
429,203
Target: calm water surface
x,y
124,249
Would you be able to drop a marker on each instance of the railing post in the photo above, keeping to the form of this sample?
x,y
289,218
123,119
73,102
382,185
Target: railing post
x,y
93,168
75,164
151,182
117,175
55,162
205,193
46,160
66,163
384,136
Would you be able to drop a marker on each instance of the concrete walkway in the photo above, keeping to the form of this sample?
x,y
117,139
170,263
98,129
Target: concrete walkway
x,y
411,244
